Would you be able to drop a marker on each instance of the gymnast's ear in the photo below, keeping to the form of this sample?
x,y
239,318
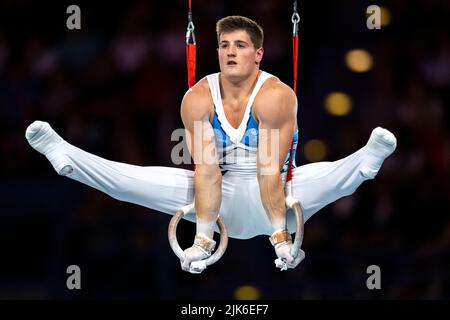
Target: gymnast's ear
x,y
259,55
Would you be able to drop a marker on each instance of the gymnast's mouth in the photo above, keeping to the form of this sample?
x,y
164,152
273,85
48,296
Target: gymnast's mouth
x,y
231,63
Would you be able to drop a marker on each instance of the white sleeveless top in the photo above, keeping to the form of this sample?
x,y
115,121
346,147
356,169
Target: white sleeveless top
x,y
237,148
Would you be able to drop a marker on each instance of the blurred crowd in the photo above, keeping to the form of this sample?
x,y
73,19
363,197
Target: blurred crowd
x,y
114,89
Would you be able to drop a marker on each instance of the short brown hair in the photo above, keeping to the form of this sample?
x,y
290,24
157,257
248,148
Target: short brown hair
x,y
233,23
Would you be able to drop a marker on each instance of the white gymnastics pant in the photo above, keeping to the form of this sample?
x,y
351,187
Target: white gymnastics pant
x,y
167,189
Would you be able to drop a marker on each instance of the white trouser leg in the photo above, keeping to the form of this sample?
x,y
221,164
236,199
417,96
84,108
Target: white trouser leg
x,y
159,188
318,184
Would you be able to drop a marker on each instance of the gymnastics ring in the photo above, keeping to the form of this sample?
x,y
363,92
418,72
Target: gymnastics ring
x,y
202,264
294,204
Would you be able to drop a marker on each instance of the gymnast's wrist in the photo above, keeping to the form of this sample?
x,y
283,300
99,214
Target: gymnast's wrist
x,y
204,243
280,236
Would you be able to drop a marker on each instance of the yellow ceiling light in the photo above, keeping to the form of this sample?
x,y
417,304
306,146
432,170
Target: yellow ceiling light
x,y
247,293
314,150
338,104
359,60
385,15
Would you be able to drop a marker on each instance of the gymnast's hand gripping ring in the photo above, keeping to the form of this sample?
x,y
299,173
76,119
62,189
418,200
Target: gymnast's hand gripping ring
x,y
202,264
294,204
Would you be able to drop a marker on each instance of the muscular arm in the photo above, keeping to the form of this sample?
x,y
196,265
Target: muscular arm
x,y
276,111
195,110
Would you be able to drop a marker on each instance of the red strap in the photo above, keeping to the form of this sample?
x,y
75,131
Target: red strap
x,y
291,155
295,63
190,48
191,63
295,59
191,60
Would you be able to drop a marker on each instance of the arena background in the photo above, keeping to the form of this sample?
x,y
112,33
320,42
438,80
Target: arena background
x,y
114,89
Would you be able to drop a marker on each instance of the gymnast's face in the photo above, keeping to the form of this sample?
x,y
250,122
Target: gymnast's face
x,y
238,57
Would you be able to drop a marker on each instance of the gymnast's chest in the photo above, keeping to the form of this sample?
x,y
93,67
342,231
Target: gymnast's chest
x,y
234,112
